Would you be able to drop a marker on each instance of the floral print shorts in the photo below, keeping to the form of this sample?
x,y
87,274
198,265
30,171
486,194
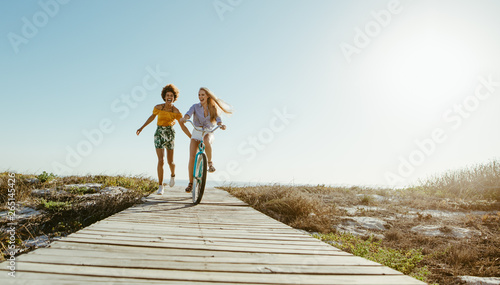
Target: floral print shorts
x,y
164,137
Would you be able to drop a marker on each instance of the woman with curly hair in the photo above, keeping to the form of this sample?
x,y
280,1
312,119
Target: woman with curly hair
x,y
165,135
206,114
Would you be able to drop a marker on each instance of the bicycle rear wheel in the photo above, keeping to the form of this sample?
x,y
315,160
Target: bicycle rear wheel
x,y
200,177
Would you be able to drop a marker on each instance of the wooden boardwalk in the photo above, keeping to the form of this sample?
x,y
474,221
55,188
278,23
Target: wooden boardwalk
x,y
220,241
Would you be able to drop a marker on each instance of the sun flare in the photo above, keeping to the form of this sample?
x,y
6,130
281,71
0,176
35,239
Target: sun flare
x,y
425,72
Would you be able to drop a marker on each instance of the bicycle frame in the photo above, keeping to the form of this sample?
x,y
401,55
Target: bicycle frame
x,y
200,167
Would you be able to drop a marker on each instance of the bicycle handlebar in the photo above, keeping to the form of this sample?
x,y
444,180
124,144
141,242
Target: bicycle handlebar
x,y
202,129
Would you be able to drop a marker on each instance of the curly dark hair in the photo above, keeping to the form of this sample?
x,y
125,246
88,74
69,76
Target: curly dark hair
x,y
170,88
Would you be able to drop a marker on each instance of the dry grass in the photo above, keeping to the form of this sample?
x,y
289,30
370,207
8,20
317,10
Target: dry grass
x,y
321,209
303,209
479,182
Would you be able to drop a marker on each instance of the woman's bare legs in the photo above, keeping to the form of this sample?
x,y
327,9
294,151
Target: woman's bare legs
x,y
193,147
170,161
208,151
171,164
208,148
160,153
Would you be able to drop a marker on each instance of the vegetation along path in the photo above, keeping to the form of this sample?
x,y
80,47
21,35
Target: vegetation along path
x,y
166,240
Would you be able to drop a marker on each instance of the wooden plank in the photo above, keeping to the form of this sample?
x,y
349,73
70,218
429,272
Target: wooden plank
x,y
229,277
43,278
232,258
306,243
166,227
206,246
139,262
203,241
203,233
189,223
171,250
167,235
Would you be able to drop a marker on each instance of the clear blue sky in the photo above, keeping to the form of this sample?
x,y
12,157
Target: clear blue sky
x,y
324,92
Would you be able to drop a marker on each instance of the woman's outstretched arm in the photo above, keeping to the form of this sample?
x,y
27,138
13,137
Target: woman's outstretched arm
x,y
149,120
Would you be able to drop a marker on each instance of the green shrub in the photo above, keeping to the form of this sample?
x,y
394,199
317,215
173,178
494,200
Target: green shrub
x,y
370,248
55,206
44,177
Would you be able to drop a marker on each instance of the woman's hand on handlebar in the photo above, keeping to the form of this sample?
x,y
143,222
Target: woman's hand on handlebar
x,y
223,127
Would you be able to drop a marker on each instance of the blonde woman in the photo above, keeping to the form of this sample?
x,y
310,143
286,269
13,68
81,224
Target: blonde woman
x,y
206,114
165,135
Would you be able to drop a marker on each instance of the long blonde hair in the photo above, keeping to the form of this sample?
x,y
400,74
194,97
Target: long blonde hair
x,y
215,104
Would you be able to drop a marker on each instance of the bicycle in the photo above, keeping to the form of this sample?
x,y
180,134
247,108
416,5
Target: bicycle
x,y
200,166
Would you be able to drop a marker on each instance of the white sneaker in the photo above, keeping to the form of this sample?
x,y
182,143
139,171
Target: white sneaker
x,y
160,190
172,181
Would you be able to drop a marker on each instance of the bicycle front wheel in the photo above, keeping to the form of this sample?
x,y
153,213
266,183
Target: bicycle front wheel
x,y
200,177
